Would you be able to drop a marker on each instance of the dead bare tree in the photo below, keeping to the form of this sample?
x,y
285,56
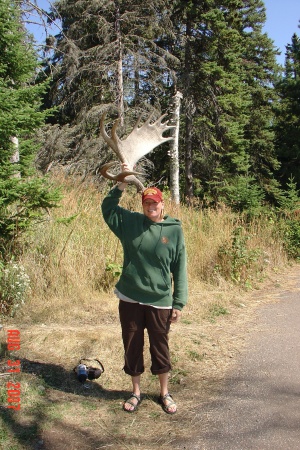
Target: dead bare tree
x,y
174,152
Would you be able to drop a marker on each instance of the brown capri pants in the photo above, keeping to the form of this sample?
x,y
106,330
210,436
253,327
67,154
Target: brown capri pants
x,y
134,318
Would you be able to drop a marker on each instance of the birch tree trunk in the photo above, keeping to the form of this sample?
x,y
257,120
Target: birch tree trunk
x,y
120,87
174,152
15,158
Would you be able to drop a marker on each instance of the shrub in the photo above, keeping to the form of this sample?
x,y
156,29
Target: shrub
x,y
290,229
236,261
289,214
14,287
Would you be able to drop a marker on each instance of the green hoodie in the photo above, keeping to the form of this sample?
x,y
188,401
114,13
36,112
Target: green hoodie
x,y
154,266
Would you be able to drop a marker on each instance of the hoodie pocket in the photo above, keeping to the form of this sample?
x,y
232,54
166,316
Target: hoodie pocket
x,y
146,278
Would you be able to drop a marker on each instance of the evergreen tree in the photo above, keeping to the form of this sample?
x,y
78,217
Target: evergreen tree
x,y
227,70
260,74
23,194
107,58
119,55
287,127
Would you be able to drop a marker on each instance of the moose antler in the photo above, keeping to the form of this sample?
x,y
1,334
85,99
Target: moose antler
x,y
138,143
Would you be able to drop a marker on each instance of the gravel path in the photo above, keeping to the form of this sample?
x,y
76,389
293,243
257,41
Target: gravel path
x,y
259,403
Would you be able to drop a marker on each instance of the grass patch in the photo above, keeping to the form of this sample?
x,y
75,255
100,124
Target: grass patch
x,y
215,311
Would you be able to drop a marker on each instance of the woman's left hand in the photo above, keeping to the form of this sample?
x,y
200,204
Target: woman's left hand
x,y
176,315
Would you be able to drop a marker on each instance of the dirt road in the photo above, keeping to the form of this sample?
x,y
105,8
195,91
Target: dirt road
x,y
259,403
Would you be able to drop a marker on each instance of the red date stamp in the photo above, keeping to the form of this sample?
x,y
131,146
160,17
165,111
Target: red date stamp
x,y
13,389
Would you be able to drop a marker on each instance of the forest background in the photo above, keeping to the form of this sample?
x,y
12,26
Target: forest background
x,y
239,121
239,158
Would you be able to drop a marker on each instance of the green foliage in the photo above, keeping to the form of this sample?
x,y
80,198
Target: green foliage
x,y
236,261
106,56
287,125
24,196
131,56
138,55
289,200
110,276
227,72
20,98
114,269
216,310
289,222
23,202
14,287
290,229
243,195
195,356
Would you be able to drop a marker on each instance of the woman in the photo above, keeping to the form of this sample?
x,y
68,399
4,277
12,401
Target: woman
x,y
152,288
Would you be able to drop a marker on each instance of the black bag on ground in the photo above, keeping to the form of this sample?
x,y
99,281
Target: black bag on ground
x,y
88,368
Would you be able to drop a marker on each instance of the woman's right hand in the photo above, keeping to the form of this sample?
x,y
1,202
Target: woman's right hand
x,y
125,167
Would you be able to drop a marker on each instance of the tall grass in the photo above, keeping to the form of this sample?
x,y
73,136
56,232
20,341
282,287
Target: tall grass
x,y
73,258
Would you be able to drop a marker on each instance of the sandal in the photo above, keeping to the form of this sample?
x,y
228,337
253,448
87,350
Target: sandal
x,y
167,402
132,403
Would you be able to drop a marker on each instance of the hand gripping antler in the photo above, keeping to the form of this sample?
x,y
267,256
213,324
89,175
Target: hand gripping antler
x,y
139,142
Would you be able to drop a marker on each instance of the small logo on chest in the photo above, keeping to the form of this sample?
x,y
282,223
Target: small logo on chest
x,y
164,240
